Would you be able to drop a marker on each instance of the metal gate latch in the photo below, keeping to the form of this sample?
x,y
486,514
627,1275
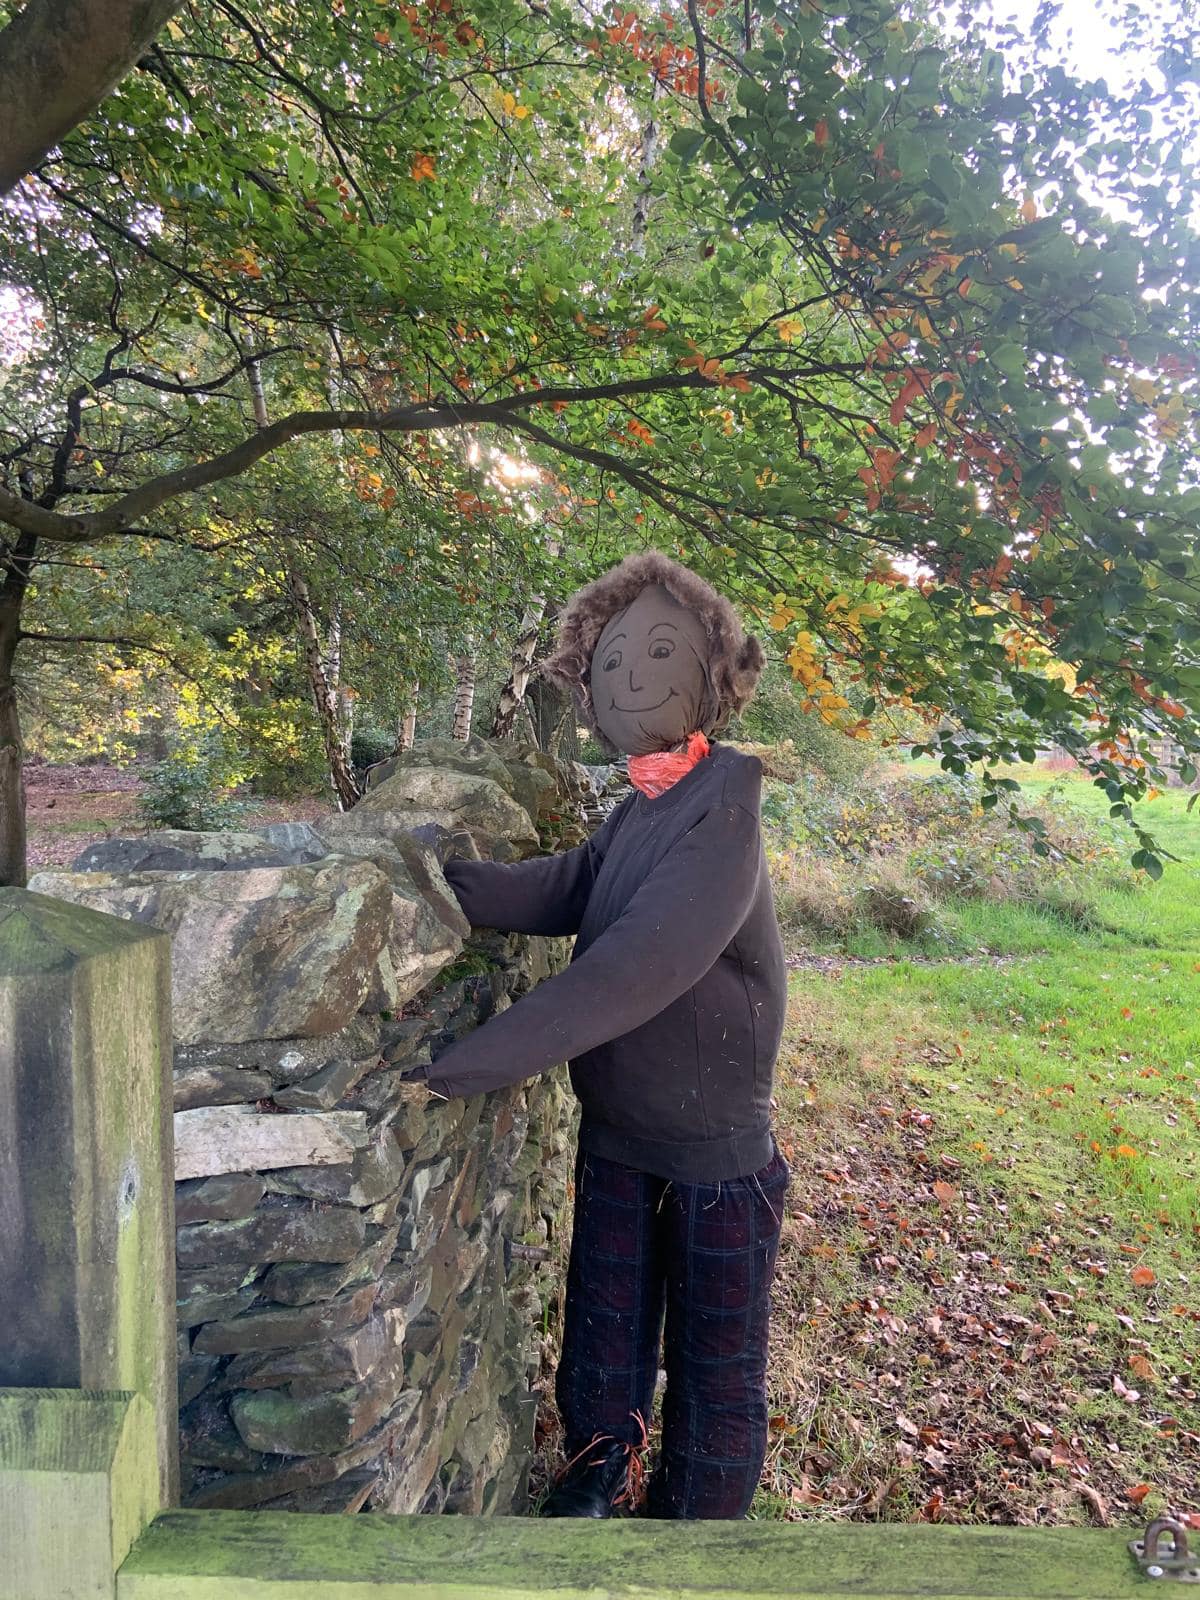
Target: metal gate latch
x,y
1180,1565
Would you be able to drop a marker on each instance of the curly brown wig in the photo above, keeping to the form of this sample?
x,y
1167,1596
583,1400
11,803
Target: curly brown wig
x,y
736,658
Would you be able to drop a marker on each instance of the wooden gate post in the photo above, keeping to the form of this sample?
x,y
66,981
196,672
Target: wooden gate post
x,y
87,1273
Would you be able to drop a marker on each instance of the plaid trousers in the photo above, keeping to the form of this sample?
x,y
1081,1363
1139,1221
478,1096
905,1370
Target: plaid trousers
x,y
702,1256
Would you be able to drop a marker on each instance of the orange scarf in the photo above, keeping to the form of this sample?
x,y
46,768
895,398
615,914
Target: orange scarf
x,y
654,774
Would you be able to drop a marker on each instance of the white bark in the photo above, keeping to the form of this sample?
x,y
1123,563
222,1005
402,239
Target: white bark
x,y
465,671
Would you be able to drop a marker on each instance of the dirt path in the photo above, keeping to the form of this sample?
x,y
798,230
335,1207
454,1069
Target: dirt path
x,y
70,807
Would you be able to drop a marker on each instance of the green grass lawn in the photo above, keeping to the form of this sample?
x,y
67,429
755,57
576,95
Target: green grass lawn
x,y
1009,1143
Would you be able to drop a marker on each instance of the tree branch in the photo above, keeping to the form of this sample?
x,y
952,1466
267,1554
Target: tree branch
x,y
123,514
58,59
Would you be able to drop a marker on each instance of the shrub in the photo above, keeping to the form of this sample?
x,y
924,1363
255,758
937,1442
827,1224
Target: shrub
x,y
811,896
885,853
369,745
775,717
192,788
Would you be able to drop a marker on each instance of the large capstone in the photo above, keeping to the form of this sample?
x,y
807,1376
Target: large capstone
x,y
265,953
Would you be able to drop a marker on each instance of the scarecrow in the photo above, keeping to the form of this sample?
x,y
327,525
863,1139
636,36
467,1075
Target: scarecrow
x,y
670,1015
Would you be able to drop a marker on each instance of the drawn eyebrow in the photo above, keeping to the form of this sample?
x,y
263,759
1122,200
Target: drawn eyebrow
x,y
670,625
614,637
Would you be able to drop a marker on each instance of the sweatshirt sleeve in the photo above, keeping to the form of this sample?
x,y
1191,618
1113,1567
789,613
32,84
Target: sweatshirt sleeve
x,y
671,933
546,895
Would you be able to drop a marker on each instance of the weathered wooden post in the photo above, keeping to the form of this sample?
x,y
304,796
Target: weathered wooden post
x,y
86,1241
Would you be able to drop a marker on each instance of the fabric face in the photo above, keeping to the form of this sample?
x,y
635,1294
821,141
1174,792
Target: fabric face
x,y
649,676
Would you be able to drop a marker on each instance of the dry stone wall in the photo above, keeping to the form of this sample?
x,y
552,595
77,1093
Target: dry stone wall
x,y
361,1267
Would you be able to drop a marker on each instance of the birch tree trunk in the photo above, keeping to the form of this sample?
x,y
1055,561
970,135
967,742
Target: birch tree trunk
x,y
343,697
406,732
465,669
341,773
512,695
322,658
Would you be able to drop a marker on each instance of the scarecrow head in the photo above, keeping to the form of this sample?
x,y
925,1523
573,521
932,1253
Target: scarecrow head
x,y
653,654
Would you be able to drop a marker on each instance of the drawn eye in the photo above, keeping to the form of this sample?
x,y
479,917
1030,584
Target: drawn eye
x,y
613,661
661,649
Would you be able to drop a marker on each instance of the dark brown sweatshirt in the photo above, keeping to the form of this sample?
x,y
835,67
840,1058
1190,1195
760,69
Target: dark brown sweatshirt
x,y
672,1008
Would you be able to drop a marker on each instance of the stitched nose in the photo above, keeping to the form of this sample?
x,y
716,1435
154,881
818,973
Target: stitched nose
x,y
634,688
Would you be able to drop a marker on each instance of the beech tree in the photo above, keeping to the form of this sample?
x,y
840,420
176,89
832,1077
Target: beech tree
x,y
892,335
58,59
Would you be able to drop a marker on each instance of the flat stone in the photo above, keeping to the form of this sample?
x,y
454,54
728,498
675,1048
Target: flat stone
x,y
324,1089
182,850
336,1363
210,1294
268,952
279,1231
383,1090
279,1329
343,1497
400,1039
195,1374
226,1198
295,1283
219,1086
321,1424
375,1172
241,1490
285,1060
217,1139
299,840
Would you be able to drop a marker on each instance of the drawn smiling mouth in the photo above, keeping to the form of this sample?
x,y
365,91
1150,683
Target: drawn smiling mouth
x,y
637,711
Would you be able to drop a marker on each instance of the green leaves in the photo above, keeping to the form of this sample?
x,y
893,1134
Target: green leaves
x,y
852,331
686,142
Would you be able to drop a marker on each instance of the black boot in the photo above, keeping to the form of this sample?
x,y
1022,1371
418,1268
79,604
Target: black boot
x,y
597,1483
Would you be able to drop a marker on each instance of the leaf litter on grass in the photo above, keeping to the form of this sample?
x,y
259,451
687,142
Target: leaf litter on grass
x,y
949,1347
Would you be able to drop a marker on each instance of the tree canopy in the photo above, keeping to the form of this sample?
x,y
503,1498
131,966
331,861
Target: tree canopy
x,y
889,330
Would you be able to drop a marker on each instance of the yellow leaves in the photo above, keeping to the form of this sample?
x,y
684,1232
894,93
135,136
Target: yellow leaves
x,y
244,262
789,329
1029,209
1144,389
782,615
1170,417
423,167
512,107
